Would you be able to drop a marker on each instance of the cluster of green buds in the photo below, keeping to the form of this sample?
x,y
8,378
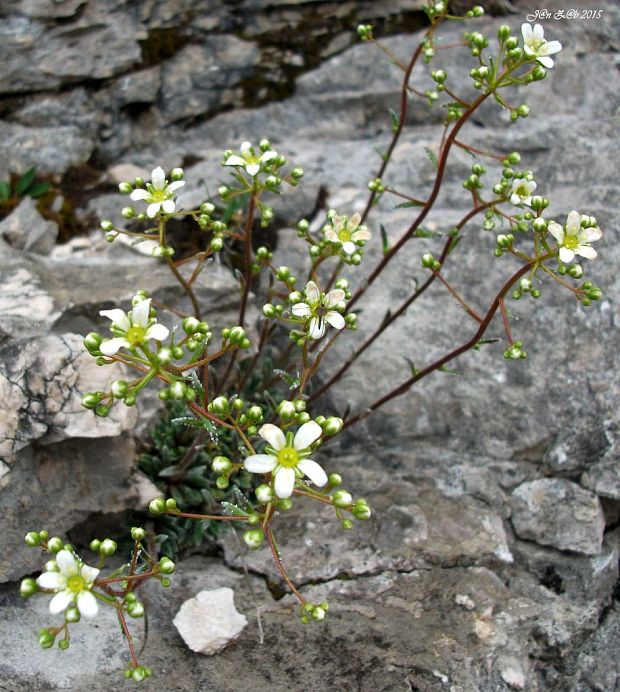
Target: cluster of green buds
x,y
209,224
429,262
364,31
235,337
515,351
311,611
343,500
526,287
473,181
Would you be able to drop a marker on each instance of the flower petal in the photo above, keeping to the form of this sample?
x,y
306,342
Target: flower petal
x,y
556,231
355,221
545,61
586,251
551,48
152,209
139,194
566,255
573,222
312,292
140,313
273,435
252,168
284,482
168,206
158,178
334,297
515,199
268,155
592,234
157,332
314,472
348,247
331,235
335,319
117,316
362,233
246,149
307,434
60,601
175,186
89,573
110,347
67,564
260,463
301,310
316,328
87,604
51,580
538,32
234,160
526,30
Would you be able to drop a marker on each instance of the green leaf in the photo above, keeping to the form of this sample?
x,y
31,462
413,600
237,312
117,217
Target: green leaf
x,y
38,189
411,203
450,371
384,239
232,510
169,471
432,157
5,191
483,342
426,233
395,119
25,181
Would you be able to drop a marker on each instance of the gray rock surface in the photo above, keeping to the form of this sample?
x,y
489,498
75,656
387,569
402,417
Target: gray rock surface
x,y
557,512
25,229
452,585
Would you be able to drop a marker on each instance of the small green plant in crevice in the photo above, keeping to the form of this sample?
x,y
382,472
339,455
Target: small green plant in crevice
x,y
16,187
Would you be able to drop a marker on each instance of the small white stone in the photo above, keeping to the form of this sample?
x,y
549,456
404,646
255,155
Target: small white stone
x,y
465,601
209,621
513,675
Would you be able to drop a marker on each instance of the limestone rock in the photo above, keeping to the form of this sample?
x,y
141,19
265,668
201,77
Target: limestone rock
x,y
557,512
25,229
209,621
603,477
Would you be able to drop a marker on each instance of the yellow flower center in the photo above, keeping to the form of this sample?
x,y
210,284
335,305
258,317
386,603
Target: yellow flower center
x,y
159,196
288,457
571,242
344,235
76,583
136,335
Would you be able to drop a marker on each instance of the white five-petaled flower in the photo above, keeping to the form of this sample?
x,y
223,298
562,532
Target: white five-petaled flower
x,y
319,307
347,232
72,583
131,330
521,192
536,47
249,160
286,457
573,239
159,194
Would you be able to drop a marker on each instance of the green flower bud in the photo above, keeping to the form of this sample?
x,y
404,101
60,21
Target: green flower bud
x,y
32,539
28,587
539,73
254,538
165,582
222,482
512,42
427,260
171,504
236,335
361,511
102,411
284,503
220,405
297,173
347,524
177,174
302,417
333,425
72,614
342,498
119,388
539,225
575,271
264,494
95,545
125,188
503,32
92,341
46,638
157,506
91,400
523,110
283,273
166,566
286,410
138,533
55,544
221,465
108,547
135,610
269,310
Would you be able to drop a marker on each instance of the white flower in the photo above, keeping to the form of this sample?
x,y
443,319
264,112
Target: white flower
x,y
319,308
522,191
159,195
72,583
132,329
249,160
346,232
573,239
286,457
536,47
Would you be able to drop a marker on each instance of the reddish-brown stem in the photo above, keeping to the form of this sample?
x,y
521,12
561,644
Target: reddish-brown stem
x,y
205,414
209,517
401,310
128,637
502,307
473,150
247,245
407,384
458,298
186,287
280,566
325,500
127,577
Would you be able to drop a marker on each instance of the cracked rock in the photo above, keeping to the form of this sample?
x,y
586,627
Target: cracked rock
x,y
560,513
25,229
